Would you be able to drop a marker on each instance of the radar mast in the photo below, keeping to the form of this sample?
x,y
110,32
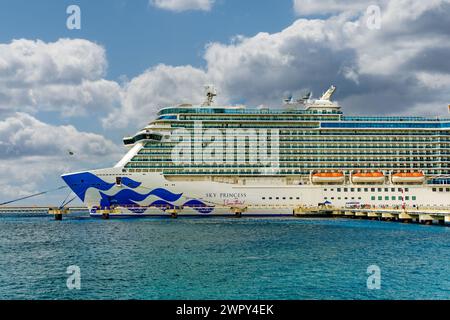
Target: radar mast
x,y
210,92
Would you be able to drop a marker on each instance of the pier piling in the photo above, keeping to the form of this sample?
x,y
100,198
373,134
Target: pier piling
x,y
58,212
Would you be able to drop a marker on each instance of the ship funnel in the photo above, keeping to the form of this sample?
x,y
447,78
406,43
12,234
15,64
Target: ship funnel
x,y
327,95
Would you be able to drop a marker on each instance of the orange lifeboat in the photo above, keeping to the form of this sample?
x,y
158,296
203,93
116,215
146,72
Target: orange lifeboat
x,y
368,177
408,177
328,177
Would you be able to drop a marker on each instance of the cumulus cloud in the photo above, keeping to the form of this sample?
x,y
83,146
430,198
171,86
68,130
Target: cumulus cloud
x,y
34,154
401,68
310,7
157,87
183,5
23,135
393,70
65,76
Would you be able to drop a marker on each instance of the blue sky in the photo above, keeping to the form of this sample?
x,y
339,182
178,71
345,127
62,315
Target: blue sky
x,y
137,35
85,89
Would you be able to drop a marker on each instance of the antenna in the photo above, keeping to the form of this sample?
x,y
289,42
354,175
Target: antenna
x,y
210,92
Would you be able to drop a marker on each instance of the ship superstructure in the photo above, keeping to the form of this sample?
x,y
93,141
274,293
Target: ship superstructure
x,y
208,159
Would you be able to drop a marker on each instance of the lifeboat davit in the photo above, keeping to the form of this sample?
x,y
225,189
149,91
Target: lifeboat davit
x,y
408,177
368,177
328,177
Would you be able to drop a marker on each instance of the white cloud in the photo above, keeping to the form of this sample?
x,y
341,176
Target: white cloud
x,y
22,135
310,7
34,154
66,76
381,71
402,68
183,5
157,87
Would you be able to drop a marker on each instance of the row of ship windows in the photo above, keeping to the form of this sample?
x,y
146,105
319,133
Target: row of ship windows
x,y
367,189
281,198
220,160
136,168
379,198
283,146
364,135
380,139
373,198
168,153
441,189
195,110
283,166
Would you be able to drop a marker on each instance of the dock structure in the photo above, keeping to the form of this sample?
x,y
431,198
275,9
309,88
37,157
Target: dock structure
x,y
58,212
426,215
38,210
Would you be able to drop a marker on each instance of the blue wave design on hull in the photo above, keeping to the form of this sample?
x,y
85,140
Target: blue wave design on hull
x,y
129,197
199,206
80,182
130,183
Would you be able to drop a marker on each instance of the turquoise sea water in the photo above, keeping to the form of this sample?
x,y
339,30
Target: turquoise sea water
x,y
221,258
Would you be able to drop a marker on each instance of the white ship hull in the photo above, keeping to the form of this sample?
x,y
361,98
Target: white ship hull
x,y
151,194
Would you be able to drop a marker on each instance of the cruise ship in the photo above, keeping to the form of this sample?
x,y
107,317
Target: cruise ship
x,y
206,159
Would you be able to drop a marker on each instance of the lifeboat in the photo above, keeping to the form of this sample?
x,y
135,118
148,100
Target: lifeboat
x,y
368,177
408,177
328,177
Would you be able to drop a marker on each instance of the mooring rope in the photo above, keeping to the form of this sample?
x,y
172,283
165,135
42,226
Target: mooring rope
x,y
66,203
33,195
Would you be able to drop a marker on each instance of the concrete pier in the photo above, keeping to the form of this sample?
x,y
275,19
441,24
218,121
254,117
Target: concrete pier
x,y
429,216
